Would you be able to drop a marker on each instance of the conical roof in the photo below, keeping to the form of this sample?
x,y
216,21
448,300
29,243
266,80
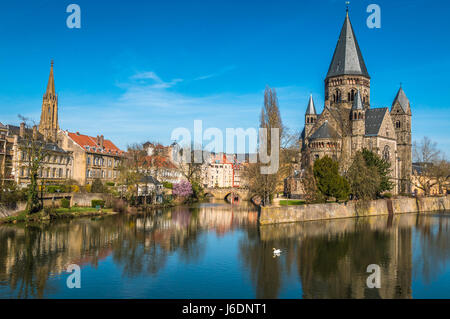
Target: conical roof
x,y
311,109
357,102
347,58
51,83
325,131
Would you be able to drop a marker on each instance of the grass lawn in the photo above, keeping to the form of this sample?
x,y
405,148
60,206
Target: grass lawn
x,y
80,210
291,202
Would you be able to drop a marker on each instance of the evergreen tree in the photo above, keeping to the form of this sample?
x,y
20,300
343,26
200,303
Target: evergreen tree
x,y
329,182
364,180
382,166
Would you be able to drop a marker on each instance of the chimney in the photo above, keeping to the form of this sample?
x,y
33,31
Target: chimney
x,y
22,130
102,139
35,132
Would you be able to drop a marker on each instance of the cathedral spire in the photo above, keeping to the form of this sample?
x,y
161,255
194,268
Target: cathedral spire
x,y
51,83
48,126
347,58
311,109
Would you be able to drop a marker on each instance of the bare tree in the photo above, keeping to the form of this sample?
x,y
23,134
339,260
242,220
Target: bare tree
x,y
266,185
33,154
431,167
131,172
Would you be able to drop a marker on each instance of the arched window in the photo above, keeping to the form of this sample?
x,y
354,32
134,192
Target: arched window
x,y
397,124
387,153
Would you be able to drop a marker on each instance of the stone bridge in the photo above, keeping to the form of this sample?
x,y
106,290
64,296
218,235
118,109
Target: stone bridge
x,y
226,193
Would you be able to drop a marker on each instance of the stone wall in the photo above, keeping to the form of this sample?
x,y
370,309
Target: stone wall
x,y
289,214
6,212
79,199
85,199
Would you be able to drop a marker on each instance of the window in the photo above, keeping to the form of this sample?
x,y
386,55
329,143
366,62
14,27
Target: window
x,y
88,160
60,173
397,124
386,153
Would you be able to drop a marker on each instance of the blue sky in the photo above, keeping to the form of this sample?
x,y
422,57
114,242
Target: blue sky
x,y
138,69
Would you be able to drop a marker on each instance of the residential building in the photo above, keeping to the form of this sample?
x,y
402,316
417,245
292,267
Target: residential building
x,y
94,157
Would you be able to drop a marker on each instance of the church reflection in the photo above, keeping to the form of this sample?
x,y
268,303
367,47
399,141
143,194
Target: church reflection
x,y
327,258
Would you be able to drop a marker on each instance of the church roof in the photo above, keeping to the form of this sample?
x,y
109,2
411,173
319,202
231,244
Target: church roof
x,y
402,100
347,58
325,131
374,119
357,103
311,109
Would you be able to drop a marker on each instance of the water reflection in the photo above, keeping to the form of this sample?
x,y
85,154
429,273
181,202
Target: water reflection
x,y
326,259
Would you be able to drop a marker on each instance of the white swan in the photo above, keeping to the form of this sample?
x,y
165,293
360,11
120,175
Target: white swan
x,y
276,251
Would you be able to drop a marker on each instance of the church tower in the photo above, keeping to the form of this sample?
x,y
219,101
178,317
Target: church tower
x,y
347,72
357,117
401,118
310,117
48,125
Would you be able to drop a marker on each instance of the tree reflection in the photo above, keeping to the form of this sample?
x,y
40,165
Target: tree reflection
x,y
434,254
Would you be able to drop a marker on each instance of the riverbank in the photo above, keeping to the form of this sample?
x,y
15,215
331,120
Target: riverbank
x,y
290,214
58,213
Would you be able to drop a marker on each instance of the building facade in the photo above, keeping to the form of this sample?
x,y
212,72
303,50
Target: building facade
x,y
93,157
348,122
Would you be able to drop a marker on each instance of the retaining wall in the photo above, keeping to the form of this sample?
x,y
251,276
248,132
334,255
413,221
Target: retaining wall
x,y
289,214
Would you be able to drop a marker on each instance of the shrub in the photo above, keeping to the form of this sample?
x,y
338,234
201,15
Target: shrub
x,y
55,189
111,184
97,186
168,185
387,195
98,202
65,203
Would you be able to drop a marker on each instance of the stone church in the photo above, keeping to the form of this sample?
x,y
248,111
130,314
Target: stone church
x,y
348,122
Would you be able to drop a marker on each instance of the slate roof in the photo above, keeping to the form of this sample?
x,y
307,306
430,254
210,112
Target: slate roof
x,y
402,100
347,58
325,131
150,180
357,103
15,130
374,119
311,109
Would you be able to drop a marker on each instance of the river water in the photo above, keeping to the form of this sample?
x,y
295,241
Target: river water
x,y
215,250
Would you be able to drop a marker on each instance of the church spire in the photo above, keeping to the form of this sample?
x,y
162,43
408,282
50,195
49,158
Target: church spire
x,y
51,83
357,102
311,109
403,100
347,58
48,126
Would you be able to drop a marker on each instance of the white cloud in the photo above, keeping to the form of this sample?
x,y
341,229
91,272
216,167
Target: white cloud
x,y
145,111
